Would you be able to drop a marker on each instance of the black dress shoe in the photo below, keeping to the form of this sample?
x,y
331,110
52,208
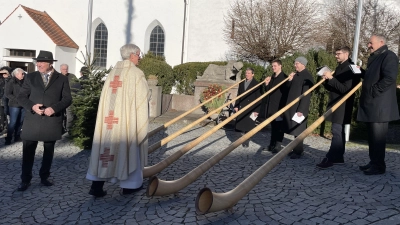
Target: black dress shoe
x,y
128,191
23,186
97,193
46,183
374,171
364,168
296,155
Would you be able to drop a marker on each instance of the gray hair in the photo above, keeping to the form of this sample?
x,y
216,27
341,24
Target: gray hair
x,y
17,70
64,65
380,37
127,50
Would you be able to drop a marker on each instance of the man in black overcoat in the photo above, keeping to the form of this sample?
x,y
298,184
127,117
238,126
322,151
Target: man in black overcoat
x,y
299,82
378,101
243,122
45,94
274,102
338,85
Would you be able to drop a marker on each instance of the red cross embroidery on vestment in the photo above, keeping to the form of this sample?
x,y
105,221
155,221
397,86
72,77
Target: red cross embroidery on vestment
x,y
110,120
106,157
115,84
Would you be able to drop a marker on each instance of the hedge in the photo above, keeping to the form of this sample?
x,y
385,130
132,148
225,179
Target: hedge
x,y
156,65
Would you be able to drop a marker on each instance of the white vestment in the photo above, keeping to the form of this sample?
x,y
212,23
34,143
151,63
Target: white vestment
x,y
119,150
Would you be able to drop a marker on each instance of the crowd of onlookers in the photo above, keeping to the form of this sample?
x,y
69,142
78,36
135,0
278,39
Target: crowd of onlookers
x,y
12,114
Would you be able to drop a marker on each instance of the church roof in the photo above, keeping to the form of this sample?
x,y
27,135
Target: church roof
x,y
50,27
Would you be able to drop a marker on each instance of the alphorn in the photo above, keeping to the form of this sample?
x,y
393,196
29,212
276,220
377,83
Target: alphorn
x,y
151,170
169,123
208,201
164,141
160,187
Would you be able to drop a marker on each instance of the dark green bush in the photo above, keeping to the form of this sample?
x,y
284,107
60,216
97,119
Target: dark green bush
x,y
84,105
156,65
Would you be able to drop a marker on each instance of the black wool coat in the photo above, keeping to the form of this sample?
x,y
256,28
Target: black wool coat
x,y
342,82
243,122
13,87
302,81
274,101
378,101
56,94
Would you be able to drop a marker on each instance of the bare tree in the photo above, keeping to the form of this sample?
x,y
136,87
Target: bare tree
x,y
377,18
268,29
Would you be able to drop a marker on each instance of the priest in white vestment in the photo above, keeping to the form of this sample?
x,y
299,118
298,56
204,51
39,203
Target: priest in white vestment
x,y
119,151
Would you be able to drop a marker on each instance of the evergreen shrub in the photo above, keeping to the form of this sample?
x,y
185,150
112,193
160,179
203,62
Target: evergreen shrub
x,y
151,64
85,102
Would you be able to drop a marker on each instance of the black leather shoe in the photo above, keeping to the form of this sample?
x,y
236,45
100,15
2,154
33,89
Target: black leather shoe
x,y
46,183
23,186
127,191
374,171
99,193
364,168
296,155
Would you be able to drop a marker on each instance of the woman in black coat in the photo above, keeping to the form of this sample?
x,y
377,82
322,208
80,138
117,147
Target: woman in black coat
x,y
4,77
243,122
300,82
17,112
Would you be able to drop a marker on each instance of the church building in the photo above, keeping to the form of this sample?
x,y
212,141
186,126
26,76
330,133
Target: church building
x,y
180,30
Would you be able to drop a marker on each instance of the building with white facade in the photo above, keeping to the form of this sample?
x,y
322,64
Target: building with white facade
x,y
181,30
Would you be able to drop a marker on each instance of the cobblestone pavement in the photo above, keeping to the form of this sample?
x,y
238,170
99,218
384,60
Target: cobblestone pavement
x,y
294,192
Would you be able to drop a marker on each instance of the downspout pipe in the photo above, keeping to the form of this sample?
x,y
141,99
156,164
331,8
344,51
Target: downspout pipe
x,y
89,28
184,29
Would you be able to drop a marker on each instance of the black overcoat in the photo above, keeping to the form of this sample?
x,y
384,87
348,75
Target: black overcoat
x,y
13,87
301,82
378,101
342,82
243,122
274,101
56,94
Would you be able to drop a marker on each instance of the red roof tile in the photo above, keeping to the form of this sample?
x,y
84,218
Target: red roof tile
x,y
51,28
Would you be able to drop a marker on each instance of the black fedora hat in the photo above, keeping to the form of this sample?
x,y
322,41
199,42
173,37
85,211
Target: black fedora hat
x,y
45,56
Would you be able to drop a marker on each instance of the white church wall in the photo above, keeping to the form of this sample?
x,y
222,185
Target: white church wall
x,y
65,55
206,41
203,38
23,33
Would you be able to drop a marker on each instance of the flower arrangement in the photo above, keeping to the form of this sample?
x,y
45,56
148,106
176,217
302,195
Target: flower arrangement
x,y
209,92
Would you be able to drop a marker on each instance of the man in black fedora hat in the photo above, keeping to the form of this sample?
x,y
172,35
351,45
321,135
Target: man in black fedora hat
x,y
44,95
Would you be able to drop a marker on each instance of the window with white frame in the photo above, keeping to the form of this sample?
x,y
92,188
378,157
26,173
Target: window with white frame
x,y
157,40
100,45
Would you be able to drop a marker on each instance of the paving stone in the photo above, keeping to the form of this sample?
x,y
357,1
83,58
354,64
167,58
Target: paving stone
x,y
294,192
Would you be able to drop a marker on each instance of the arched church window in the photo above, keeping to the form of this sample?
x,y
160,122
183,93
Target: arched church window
x,y
157,41
100,45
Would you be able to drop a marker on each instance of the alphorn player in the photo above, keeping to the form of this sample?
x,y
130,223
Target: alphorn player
x,y
243,122
338,85
274,102
119,150
378,101
295,118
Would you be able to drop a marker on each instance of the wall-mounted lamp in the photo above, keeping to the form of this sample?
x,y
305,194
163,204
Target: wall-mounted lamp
x,y
19,16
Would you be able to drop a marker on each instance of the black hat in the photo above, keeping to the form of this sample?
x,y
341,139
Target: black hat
x,y
45,56
84,69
